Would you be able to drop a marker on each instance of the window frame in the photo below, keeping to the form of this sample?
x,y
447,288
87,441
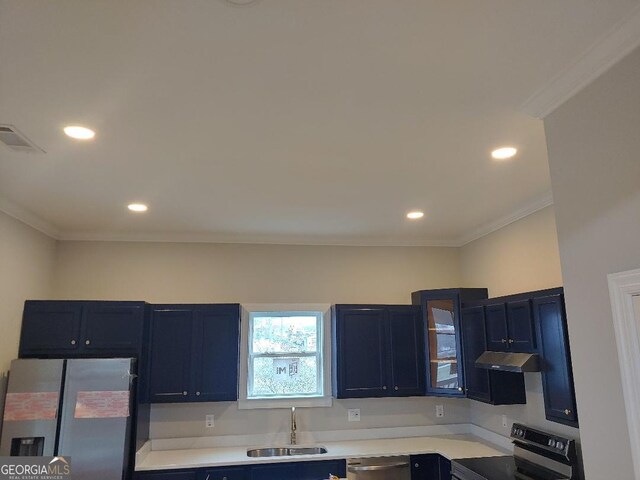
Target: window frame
x,y
318,354
323,314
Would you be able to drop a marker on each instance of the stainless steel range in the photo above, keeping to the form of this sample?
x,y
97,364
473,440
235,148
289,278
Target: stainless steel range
x,y
536,456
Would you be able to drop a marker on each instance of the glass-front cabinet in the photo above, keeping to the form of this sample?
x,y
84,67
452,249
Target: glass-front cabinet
x,y
441,317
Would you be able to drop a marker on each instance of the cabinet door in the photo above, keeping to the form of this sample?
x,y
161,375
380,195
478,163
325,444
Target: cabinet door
x,y
557,375
224,473
477,381
282,471
445,468
445,368
321,470
168,475
361,352
170,358
50,328
522,337
112,328
425,467
215,353
406,348
496,323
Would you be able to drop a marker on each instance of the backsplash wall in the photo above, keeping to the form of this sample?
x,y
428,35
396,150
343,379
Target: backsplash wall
x,y
188,420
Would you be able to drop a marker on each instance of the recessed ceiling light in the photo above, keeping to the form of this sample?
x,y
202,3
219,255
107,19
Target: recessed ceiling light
x,y
137,207
79,133
416,214
504,152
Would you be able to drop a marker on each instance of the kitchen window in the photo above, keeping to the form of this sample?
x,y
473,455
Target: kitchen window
x,y
285,356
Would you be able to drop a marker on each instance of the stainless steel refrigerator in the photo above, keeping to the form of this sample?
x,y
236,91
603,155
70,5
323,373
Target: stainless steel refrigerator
x,y
78,408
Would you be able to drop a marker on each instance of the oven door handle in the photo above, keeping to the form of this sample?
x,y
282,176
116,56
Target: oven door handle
x,y
377,468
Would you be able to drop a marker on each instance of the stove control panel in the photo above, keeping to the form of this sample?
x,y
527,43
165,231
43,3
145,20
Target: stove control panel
x,y
547,441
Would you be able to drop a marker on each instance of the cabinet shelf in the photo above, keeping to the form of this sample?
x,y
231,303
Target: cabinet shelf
x,y
442,332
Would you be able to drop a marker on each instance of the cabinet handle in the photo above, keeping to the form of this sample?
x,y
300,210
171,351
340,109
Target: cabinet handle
x,y
73,342
198,393
510,340
208,477
417,465
169,394
87,342
395,388
567,412
384,387
184,393
460,389
504,340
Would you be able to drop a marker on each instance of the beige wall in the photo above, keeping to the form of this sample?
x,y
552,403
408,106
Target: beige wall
x,y
26,267
193,272
520,257
169,272
594,157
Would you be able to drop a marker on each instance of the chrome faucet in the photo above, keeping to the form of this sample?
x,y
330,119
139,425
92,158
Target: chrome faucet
x,y
293,425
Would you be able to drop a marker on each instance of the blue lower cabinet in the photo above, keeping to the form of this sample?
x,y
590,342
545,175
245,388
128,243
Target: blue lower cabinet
x,y
322,469
430,467
277,471
317,470
167,475
225,473
445,468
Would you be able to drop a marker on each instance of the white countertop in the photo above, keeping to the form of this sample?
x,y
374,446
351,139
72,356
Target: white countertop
x,y
449,446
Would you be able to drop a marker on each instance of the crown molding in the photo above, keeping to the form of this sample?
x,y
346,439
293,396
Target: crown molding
x,y
29,218
261,239
597,59
47,228
532,207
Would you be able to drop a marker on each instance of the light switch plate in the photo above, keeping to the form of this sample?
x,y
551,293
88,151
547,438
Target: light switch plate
x,y
439,411
208,421
353,414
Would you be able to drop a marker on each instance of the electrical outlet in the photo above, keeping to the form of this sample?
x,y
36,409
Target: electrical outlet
x,y
505,422
353,414
208,421
439,411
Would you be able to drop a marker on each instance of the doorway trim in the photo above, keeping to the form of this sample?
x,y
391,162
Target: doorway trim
x,y
623,287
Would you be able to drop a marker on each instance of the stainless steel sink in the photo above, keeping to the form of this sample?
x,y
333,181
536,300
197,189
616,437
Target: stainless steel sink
x,y
307,450
285,451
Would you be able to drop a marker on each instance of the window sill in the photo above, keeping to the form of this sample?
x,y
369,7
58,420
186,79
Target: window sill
x,y
248,404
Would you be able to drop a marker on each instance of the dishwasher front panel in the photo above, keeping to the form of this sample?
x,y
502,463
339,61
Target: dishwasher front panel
x,y
379,468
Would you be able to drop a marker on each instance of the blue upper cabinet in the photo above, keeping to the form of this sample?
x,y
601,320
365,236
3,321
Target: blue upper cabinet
x,y
522,335
82,329
495,388
406,369
477,383
216,353
496,327
441,320
509,326
378,351
557,374
170,353
194,353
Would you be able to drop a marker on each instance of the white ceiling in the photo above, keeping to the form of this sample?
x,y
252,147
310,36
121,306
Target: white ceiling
x,y
302,121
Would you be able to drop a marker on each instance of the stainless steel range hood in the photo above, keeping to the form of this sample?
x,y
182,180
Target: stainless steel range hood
x,y
509,362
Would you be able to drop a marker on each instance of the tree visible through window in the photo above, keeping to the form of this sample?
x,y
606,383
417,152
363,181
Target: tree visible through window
x,y
285,355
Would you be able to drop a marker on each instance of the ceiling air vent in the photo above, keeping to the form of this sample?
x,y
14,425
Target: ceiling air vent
x,y
15,140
